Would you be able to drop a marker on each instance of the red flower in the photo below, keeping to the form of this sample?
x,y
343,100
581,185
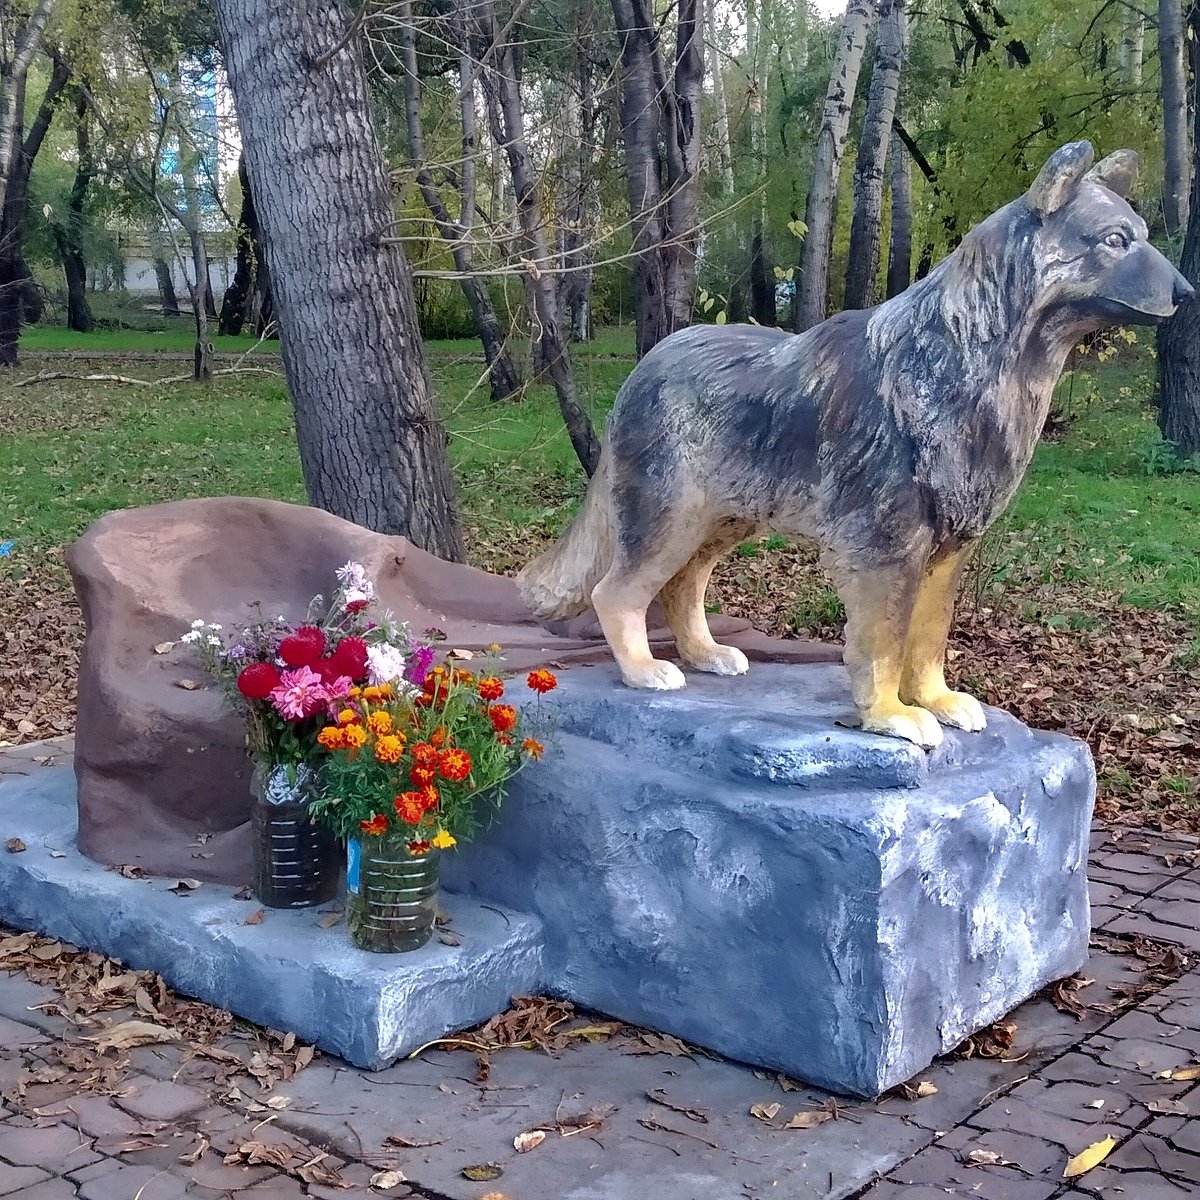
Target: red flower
x,y
303,648
503,717
376,825
454,765
429,797
356,606
417,848
424,755
410,807
542,681
350,658
490,688
258,680
421,776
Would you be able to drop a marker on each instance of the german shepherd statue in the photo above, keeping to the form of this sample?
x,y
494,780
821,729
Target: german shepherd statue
x,y
892,436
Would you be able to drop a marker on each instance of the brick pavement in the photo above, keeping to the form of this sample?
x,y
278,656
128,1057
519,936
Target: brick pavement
x,y
169,1124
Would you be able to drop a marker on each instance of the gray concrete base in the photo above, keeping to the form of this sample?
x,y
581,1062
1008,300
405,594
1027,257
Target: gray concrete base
x,y
728,863
288,972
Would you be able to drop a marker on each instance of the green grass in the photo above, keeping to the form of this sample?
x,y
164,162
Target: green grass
x,y
1100,508
180,338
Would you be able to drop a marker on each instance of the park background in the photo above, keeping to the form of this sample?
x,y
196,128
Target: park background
x,y
566,183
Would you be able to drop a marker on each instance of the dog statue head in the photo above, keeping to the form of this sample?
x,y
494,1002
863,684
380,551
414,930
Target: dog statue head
x,y
1095,249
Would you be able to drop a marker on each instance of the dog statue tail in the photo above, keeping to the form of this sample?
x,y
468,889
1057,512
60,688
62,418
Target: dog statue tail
x,y
558,584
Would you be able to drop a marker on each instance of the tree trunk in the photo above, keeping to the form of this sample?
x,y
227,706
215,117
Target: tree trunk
x,y
372,446
504,379
862,267
237,294
1176,155
812,278
1179,338
507,120
1133,44
762,281
162,274
899,271
200,291
664,192
724,145
12,87
68,236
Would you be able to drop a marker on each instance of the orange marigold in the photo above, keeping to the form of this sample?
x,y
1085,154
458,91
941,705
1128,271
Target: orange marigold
x,y
424,755
372,694
347,716
376,825
389,748
454,765
491,688
533,747
410,807
421,776
460,676
386,691
503,717
438,737
504,739
429,797
354,736
331,738
542,680
380,723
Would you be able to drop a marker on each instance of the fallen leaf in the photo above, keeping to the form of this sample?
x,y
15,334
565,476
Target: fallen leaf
x,y
483,1172
184,886
594,1033
1094,1104
133,1033
278,1102
255,918
396,1139
188,685
1173,1108
193,1156
1093,1156
495,1196
985,1158
658,1096
253,1154
809,1120
449,938
659,1043
385,1180
14,845
765,1112
531,1139
466,655
1184,1073
164,647
329,920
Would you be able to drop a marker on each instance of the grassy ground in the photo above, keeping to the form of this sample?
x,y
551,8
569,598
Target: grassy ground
x,y
1083,613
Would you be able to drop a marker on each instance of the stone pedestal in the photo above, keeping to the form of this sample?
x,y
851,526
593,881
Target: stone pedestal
x,y
729,864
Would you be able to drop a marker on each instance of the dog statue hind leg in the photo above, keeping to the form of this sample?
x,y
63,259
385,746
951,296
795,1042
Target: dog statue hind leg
x,y
923,679
879,601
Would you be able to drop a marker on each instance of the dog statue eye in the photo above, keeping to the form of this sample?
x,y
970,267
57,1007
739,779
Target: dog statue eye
x,y
1117,240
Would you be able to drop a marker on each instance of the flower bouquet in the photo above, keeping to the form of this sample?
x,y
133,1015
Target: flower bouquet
x,y
412,771
286,682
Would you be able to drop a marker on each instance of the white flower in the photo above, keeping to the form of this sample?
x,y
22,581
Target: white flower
x,y
214,628
197,624
385,663
355,582
194,636
214,641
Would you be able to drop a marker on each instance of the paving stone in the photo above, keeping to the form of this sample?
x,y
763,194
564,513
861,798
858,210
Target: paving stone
x,y
58,1148
1144,1153
1184,1011
1151,926
16,1033
282,1187
1135,864
98,1116
1179,889
1073,1101
1109,895
356,1173
1069,1135
51,1189
1187,1137
12,1179
161,1100
211,1174
1031,1153
125,1182
1135,1185
1137,1054
1139,884
1150,1027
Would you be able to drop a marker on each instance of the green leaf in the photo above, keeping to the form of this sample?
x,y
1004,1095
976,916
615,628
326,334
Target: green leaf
x,y
721,317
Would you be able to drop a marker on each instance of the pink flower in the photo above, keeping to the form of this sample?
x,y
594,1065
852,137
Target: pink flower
x,y
300,694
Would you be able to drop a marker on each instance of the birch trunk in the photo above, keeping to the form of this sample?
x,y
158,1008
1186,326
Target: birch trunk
x,y
372,445
1133,44
1176,156
12,88
812,278
862,267
721,111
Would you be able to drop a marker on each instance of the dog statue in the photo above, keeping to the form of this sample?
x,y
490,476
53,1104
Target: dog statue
x,y
893,436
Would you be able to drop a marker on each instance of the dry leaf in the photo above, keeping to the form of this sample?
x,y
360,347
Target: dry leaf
x,y
809,1120
278,1102
495,1196
925,1088
384,1180
466,655
188,685
985,1158
659,1043
1183,1073
133,1033
14,845
184,886
1093,1156
329,920
1172,1108
483,1172
396,1139
765,1112
255,918
531,1139
693,1114
194,1156
164,647
255,1153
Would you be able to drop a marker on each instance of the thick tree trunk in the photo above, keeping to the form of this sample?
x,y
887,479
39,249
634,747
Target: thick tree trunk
x,y
862,267
372,446
68,236
812,279
660,128
162,275
505,115
12,88
1179,338
237,295
1176,155
504,379
899,270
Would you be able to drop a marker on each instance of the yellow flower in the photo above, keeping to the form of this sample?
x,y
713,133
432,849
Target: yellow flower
x,y
355,692
389,748
443,840
354,736
347,716
380,723
371,694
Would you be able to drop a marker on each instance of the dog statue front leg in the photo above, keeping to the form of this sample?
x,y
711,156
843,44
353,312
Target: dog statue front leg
x,y
879,605
923,678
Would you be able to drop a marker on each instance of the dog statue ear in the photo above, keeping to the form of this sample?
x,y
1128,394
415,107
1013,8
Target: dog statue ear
x,y
1118,172
1059,177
